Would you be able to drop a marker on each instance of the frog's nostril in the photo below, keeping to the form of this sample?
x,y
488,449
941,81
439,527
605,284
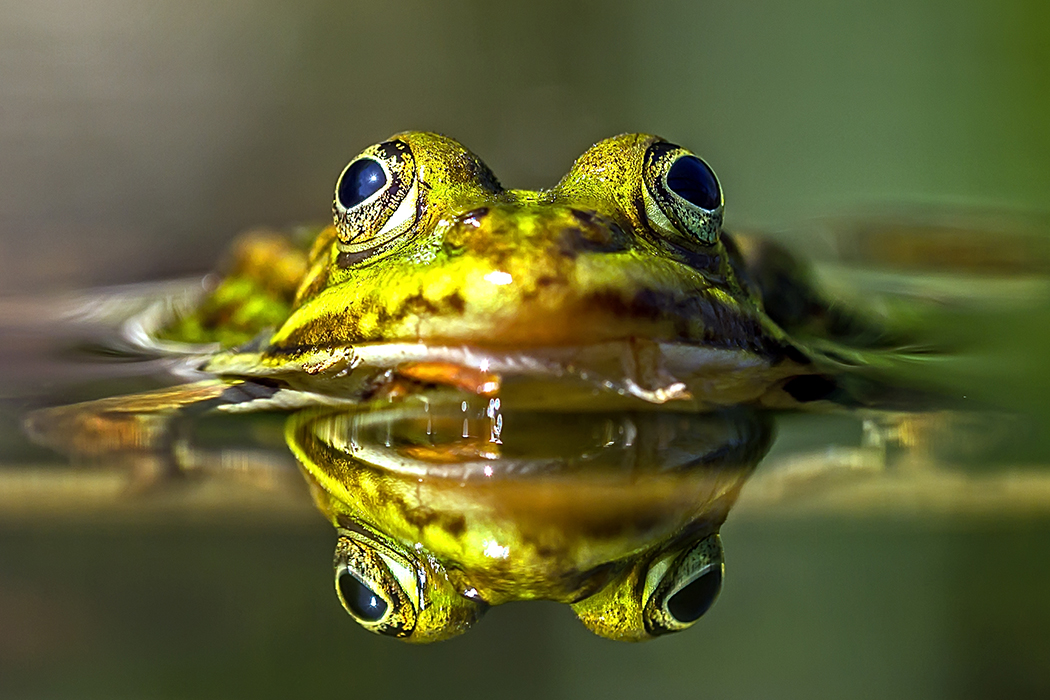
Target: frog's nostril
x,y
586,217
592,234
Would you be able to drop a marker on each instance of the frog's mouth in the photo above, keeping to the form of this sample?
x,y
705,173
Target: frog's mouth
x,y
607,374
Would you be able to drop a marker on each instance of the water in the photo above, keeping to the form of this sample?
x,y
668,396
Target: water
x,y
871,552
138,141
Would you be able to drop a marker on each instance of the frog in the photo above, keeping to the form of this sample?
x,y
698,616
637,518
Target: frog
x,y
617,286
615,290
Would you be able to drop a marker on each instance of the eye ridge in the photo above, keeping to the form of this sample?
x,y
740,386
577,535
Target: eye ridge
x,y
687,589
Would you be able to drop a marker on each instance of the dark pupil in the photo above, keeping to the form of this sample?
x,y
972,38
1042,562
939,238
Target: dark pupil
x,y
694,600
360,181
693,181
362,600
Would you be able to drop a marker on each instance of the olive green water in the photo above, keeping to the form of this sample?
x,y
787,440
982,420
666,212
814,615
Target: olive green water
x,y
137,142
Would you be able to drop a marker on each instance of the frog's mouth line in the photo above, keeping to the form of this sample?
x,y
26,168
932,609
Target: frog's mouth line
x,y
607,375
632,367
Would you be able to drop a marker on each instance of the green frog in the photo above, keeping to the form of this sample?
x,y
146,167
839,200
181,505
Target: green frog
x,y
617,289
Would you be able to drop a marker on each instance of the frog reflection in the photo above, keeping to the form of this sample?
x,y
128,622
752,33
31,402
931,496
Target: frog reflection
x,y
444,510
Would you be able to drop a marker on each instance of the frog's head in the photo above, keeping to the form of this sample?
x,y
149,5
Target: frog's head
x,y
428,247
614,286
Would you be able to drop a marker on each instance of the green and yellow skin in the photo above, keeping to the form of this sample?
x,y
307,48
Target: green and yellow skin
x,y
615,290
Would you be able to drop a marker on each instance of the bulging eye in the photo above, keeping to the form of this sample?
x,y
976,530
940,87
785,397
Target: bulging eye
x,y
682,195
693,181
375,200
361,179
683,587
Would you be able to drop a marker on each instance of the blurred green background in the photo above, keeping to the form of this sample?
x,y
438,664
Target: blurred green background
x,y
137,138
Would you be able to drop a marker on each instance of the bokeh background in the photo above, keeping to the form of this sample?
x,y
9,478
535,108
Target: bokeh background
x,y
136,138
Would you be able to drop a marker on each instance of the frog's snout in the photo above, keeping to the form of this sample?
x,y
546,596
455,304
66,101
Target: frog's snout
x,y
551,232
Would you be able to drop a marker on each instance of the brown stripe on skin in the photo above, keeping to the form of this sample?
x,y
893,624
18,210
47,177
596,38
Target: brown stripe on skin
x,y
418,304
722,328
318,334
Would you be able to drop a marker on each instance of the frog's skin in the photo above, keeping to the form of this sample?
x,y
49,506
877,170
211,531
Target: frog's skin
x,y
608,290
443,511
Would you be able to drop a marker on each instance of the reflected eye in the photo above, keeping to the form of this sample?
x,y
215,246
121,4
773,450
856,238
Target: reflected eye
x,y
683,586
696,597
692,180
370,581
682,195
360,600
362,179
390,592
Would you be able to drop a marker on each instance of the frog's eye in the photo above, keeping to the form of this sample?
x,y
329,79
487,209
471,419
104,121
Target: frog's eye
x,y
691,179
376,587
362,179
375,199
682,195
682,588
